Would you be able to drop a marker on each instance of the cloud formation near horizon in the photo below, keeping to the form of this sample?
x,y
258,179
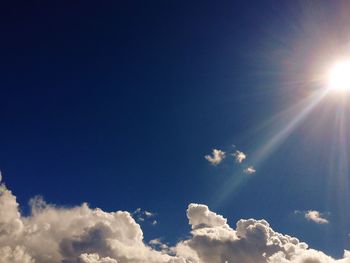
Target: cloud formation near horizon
x,y
84,235
216,157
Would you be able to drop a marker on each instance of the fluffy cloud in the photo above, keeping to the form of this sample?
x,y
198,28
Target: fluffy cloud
x,y
216,158
69,235
249,170
14,255
158,244
316,217
95,258
81,234
214,241
239,156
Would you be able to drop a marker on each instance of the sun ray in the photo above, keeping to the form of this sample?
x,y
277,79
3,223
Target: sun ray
x,y
296,115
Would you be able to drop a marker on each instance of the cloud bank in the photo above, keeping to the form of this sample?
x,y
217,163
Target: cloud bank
x,y
81,234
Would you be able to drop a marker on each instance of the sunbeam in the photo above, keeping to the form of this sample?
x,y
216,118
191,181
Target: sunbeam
x,y
296,115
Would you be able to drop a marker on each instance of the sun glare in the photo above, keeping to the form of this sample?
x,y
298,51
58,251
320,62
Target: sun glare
x,y
339,77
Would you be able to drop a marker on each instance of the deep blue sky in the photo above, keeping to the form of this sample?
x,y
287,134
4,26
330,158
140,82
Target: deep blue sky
x,y
116,104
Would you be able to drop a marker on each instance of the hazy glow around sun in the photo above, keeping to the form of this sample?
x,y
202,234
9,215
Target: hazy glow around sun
x,y
339,76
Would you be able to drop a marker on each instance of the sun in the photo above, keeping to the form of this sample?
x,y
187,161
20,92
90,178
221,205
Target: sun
x,y
339,77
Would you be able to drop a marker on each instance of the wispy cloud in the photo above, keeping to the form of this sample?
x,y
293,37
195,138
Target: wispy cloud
x,y
316,216
239,156
158,244
249,170
216,157
149,214
143,215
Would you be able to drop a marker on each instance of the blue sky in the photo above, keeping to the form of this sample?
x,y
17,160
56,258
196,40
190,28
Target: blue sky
x,y
118,103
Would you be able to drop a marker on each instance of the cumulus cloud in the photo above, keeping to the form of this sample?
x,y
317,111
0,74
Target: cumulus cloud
x,y
159,245
70,235
315,216
249,170
216,157
95,258
15,254
214,241
239,156
81,234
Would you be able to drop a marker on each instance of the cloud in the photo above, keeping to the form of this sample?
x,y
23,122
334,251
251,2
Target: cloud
x,y
95,258
315,216
149,214
214,241
158,244
239,156
249,170
70,235
16,254
144,215
82,234
155,242
216,158
200,215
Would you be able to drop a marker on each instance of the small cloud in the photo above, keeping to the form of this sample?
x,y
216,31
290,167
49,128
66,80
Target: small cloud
x,y
315,216
216,157
159,245
155,242
149,214
239,156
154,222
144,215
249,170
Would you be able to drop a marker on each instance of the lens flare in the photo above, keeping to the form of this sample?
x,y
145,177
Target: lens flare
x,y
339,77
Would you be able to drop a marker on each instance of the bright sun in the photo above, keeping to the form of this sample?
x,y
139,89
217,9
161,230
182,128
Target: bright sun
x,y
339,77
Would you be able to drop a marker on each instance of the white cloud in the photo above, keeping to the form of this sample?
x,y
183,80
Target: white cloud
x,y
216,158
144,215
200,215
84,235
214,241
95,258
15,254
149,214
56,235
239,156
249,170
158,244
155,242
316,217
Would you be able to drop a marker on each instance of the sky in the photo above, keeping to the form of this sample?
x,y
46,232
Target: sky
x,y
189,116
